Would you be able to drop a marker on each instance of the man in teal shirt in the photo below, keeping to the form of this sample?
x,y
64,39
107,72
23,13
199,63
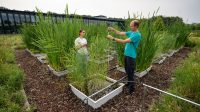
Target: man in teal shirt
x,y
130,52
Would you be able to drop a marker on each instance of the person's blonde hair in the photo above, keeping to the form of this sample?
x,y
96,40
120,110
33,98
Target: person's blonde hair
x,y
136,23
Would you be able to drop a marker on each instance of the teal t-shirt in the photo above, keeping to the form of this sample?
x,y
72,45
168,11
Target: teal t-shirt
x,y
131,47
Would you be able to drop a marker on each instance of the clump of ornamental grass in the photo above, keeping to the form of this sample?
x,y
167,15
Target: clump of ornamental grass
x,y
89,77
148,45
181,30
55,39
29,35
99,44
166,42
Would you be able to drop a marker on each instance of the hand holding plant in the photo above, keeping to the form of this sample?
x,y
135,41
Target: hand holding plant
x,y
111,29
110,37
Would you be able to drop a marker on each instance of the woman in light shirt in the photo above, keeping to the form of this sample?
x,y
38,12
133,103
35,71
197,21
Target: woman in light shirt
x,y
82,52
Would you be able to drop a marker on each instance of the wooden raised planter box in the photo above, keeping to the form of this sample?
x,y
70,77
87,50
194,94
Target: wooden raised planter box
x,y
102,100
138,74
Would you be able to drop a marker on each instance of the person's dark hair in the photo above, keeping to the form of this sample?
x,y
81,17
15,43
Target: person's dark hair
x,y
136,23
80,31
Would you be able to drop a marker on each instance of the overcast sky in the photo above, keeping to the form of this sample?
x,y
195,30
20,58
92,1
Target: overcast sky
x,y
187,9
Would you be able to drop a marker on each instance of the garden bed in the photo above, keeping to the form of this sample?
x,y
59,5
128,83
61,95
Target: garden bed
x,y
49,93
99,98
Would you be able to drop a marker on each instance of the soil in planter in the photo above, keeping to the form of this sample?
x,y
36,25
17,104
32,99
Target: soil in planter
x,y
105,91
115,74
103,85
52,94
93,89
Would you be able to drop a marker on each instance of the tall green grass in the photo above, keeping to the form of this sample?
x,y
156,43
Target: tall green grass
x,y
98,45
148,45
181,31
157,37
93,79
55,39
166,42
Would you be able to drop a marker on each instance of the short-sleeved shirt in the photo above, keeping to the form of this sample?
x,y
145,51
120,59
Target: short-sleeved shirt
x,y
79,42
131,47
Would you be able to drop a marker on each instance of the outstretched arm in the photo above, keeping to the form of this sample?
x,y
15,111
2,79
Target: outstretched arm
x,y
116,31
119,40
